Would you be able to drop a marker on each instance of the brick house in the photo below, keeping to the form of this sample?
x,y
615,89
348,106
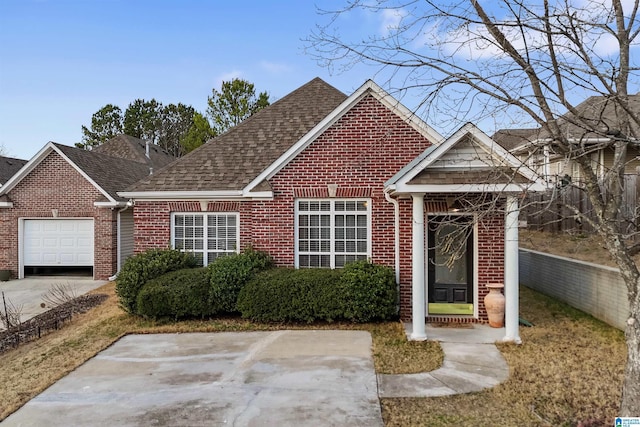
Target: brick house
x,y
60,212
319,179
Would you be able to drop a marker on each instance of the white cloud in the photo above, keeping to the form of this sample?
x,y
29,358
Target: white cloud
x,y
391,20
227,77
275,67
473,42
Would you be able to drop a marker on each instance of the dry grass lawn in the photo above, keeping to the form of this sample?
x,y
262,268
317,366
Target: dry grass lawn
x,y
585,247
568,370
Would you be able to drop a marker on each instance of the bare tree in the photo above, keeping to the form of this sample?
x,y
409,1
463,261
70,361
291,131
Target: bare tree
x,y
519,61
10,314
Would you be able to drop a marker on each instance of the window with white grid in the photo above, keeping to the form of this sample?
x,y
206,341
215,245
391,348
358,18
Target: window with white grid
x,y
332,233
206,235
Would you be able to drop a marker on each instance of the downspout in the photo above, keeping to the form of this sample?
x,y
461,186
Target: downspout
x,y
119,240
396,210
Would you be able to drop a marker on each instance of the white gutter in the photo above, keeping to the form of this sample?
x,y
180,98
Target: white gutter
x,y
112,205
396,211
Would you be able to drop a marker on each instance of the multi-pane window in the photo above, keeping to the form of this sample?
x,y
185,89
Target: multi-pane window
x,y
331,233
206,235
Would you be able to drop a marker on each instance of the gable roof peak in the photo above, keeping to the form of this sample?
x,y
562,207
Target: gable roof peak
x,y
106,173
467,132
131,148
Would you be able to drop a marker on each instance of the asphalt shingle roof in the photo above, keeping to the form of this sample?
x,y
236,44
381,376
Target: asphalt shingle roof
x,y
512,138
596,112
235,158
131,148
110,173
8,167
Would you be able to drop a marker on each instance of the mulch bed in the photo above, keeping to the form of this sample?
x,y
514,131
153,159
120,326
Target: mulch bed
x,y
48,321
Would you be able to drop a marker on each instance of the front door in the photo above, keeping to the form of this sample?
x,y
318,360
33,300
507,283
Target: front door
x,y
450,264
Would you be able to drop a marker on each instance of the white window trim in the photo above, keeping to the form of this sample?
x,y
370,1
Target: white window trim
x,y
205,249
331,212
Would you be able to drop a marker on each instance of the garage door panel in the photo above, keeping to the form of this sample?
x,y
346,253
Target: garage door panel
x,y
85,259
58,242
85,227
87,244
69,226
67,242
50,226
33,259
67,258
50,258
48,242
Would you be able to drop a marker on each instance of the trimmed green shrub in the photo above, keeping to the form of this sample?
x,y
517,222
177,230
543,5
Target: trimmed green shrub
x,y
288,295
230,273
178,294
154,300
140,268
368,292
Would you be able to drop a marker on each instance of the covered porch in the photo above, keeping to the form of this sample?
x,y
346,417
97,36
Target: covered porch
x,y
461,203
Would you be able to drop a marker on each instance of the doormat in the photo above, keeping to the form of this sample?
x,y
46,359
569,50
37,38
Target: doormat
x,y
452,325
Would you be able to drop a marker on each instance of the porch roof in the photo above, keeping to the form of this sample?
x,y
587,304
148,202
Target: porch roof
x,y
467,161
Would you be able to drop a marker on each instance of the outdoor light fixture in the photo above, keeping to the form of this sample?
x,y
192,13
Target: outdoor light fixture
x,y
454,205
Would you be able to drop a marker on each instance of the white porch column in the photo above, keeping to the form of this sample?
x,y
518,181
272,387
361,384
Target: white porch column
x,y
511,274
417,262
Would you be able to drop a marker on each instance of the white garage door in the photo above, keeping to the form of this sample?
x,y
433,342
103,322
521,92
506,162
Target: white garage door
x,y
58,242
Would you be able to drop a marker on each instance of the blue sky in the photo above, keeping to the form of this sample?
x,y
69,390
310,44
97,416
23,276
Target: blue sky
x,y
62,60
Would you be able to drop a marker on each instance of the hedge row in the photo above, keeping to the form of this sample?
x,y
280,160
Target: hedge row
x,y
360,292
288,295
141,268
161,283
154,285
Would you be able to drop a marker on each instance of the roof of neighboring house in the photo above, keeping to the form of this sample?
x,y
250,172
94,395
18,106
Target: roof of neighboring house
x,y
110,173
131,148
232,160
107,172
8,167
596,112
512,138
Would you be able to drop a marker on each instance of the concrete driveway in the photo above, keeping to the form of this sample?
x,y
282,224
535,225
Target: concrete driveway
x,y
27,293
282,378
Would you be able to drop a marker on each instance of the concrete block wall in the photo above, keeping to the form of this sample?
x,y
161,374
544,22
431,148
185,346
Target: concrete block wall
x,y
594,289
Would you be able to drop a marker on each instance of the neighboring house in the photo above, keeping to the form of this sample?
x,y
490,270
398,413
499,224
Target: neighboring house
x,y
536,148
319,179
8,167
61,210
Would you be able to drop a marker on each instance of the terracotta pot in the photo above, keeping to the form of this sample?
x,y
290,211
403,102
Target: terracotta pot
x,y
5,275
494,304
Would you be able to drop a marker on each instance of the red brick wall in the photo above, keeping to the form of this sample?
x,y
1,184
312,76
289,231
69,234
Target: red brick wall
x,y
152,223
54,184
362,150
